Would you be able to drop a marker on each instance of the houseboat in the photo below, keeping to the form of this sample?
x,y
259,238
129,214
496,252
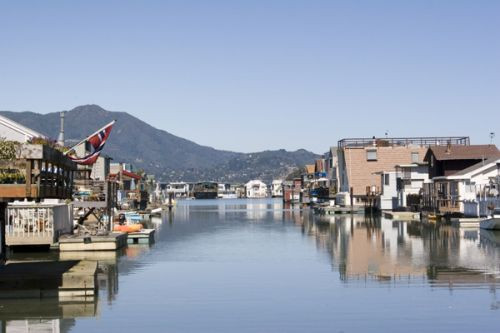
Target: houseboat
x,y
205,190
179,189
256,189
277,188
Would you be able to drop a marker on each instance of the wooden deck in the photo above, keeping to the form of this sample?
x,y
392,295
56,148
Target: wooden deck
x,y
145,236
61,279
110,242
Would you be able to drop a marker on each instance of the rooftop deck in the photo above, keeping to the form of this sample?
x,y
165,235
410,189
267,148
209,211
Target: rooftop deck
x,y
391,142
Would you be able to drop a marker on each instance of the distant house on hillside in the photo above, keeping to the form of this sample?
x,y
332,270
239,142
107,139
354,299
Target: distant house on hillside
x,y
13,131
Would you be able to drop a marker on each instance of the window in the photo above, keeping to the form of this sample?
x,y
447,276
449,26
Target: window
x,y
414,157
371,155
386,179
432,161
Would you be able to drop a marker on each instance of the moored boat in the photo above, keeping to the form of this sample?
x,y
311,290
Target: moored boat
x,y
493,222
205,190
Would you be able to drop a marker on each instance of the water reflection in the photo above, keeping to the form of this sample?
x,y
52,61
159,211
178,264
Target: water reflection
x,y
215,260
59,315
367,247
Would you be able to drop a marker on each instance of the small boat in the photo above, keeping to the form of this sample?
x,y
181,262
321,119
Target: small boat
x,y
493,222
156,211
128,228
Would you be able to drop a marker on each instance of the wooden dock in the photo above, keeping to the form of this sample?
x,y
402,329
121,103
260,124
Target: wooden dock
x,y
339,210
111,242
145,236
47,279
402,216
464,222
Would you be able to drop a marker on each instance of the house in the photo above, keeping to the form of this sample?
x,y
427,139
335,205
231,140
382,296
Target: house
x,y
256,189
467,192
179,189
13,131
292,190
43,216
441,195
449,159
331,169
277,188
401,188
361,161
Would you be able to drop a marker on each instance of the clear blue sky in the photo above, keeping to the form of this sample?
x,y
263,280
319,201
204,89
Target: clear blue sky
x,y
254,75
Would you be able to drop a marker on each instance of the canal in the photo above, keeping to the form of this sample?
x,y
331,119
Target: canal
x,y
256,266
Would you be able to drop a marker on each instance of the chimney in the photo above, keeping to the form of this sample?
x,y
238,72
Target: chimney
x,y
448,147
60,139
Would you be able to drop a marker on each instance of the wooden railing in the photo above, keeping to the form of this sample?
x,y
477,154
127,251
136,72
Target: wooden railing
x,y
47,173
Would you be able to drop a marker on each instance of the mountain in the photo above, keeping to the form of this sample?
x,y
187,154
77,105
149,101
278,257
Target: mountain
x,y
167,156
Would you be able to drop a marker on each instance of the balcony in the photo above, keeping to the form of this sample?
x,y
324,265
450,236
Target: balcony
x,y
37,172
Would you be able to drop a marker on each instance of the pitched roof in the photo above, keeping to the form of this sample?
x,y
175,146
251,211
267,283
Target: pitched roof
x,y
20,128
461,152
486,163
310,168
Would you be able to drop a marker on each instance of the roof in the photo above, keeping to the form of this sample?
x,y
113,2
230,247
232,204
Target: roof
x,y
461,152
478,166
310,168
131,174
20,128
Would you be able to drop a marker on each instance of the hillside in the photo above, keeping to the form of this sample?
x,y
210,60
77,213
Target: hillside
x,y
164,154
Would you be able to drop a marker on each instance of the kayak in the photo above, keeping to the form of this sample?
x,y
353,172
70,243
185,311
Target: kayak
x,y
128,228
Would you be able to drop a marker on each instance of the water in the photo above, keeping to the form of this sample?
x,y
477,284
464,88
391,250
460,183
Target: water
x,y
252,266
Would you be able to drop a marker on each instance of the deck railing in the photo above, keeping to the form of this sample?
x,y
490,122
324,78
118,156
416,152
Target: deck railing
x,y
391,142
43,173
37,224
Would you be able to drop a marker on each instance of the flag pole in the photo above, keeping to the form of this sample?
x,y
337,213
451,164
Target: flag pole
x,y
73,147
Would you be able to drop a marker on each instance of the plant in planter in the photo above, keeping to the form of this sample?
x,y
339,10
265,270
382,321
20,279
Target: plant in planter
x,y
12,178
8,149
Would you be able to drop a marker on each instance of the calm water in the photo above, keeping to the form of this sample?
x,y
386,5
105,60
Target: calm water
x,y
251,266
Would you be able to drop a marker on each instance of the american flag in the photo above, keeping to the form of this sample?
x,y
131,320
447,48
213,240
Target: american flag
x,y
97,140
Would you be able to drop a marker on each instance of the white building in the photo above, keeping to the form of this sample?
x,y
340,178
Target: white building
x,y
402,188
256,189
388,198
277,188
179,189
12,131
472,190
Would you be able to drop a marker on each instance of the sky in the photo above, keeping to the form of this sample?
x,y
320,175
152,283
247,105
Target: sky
x,y
255,75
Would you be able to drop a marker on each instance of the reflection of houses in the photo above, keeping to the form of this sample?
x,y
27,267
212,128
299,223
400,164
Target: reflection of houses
x,y
383,249
454,172
361,161
256,189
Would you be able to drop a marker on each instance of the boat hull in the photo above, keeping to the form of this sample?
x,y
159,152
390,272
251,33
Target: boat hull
x,y
492,223
205,195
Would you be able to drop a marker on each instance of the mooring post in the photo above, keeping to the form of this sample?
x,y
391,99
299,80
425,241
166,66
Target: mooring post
x,y
170,195
3,248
